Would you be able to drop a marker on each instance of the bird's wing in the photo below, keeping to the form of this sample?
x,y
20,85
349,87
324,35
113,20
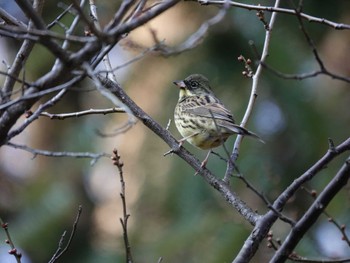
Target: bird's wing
x,y
211,110
223,117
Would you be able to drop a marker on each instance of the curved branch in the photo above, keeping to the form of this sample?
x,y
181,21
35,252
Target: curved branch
x,y
253,93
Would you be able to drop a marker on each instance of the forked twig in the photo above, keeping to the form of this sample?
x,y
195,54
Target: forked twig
x,y
60,251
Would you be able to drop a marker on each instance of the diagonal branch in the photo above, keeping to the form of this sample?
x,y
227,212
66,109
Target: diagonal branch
x,y
312,214
224,189
21,57
263,226
60,250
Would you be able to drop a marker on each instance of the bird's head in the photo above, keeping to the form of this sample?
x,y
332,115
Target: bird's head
x,y
193,85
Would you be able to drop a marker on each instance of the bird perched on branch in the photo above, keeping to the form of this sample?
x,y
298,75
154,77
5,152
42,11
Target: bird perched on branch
x,y
201,118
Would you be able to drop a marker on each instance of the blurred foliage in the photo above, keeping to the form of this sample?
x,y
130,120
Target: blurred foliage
x,y
174,214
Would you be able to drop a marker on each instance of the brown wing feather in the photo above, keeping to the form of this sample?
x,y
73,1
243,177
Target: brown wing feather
x,y
216,110
223,117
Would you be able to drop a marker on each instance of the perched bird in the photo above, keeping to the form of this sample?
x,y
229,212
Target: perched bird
x,y
201,118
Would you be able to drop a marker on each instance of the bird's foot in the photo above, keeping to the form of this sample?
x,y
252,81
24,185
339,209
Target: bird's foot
x,y
204,163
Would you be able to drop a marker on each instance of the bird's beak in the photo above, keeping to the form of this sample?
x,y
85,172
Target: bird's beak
x,y
180,83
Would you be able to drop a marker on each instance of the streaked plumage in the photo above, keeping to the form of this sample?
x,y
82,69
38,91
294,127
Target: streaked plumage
x,y
201,118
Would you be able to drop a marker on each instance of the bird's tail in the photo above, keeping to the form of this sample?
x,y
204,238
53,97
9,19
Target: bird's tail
x,y
243,131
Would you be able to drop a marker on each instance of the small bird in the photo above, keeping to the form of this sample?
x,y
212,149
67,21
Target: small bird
x,y
201,118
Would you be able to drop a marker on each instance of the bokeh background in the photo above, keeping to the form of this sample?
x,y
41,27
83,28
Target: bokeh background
x,y
174,214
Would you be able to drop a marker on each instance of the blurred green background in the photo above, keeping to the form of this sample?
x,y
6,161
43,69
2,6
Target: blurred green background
x,y
174,214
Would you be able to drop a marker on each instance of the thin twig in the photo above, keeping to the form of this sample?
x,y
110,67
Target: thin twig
x,y
134,59
96,23
195,39
60,16
265,200
62,116
11,20
20,59
35,115
340,227
312,214
60,251
13,251
297,258
39,94
254,92
37,35
266,221
69,32
124,221
115,100
94,156
309,18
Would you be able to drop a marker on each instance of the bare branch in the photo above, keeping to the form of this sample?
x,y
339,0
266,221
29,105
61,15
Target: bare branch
x,y
195,39
265,200
94,156
264,224
297,258
125,6
40,24
9,241
63,116
136,58
36,34
60,251
253,93
126,216
36,114
162,133
116,31
106,60
115,100
313,19
31,13
59,17
10,20
32,94
312,214
21,57
341,228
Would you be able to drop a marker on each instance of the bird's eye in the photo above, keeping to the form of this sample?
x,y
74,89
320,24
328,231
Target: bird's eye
x,y
194,84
